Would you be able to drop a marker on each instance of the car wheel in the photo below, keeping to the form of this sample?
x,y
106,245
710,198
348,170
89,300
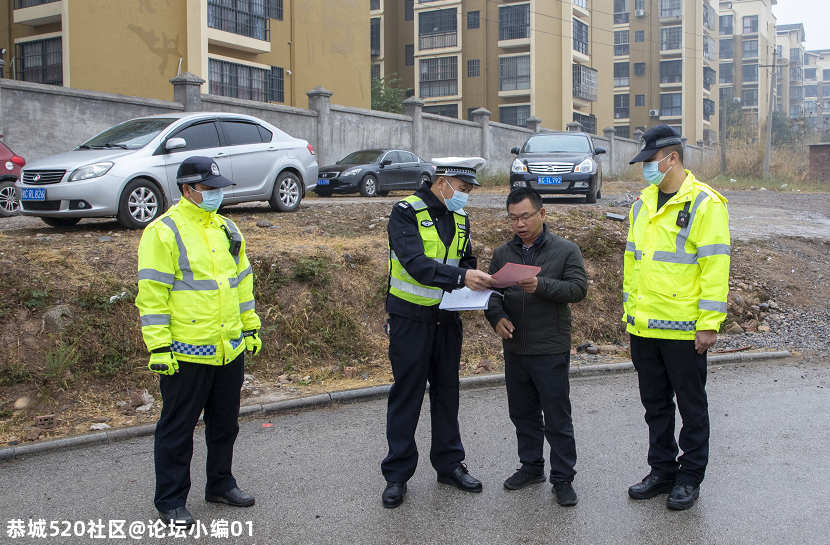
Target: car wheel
x,y
324,192
369,186
287,193
424,179
591,197
61,222
141,202
8,203
599,191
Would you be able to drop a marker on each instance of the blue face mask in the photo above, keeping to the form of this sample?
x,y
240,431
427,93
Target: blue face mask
x,y
211,200
457,201
651,171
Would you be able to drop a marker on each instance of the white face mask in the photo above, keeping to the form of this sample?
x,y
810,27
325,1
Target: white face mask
x,y
457,201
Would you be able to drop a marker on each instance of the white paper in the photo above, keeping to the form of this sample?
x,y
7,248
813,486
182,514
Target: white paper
x,y
465,299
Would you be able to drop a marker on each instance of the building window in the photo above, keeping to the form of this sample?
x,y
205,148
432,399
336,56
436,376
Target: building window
x,y
445,110
779,90
374,36
409,55
710,78
671,104
473,20
639,36
825,75
811,90
825,91
374,4
275,9
750,48
589,122
240,17
640,4
750,24
514,115
749,97
671,38
621,74
671,71
709,17
795,110
621,12
408,10
40,61
639,100
727,93
810,74
375,71
810,107
726,49
708,109
229,79
796,73
470,112
581,3
580,37
437,29
670,8
514,22
796,56
709,50
514,73
796,93
438,77
639,68
473,68
585,83
725,28
277,90
620,43
725,73
621,106
623,131
750,73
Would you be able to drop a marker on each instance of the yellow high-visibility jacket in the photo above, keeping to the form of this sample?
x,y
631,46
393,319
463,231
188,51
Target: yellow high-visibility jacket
x,y
677,279
193,294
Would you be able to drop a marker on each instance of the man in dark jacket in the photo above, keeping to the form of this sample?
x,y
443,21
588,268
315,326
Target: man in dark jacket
x,y
534,321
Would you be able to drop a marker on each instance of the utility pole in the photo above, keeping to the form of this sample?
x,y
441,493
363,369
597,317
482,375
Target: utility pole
x,y
773,78
721,125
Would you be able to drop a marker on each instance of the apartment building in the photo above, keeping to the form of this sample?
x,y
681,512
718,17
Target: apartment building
x,y
263,50
790,87
817,88
549,59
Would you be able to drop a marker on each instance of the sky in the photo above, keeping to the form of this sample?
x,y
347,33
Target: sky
x,y
814,14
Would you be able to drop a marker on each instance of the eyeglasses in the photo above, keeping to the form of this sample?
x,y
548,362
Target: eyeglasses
x,y
524,217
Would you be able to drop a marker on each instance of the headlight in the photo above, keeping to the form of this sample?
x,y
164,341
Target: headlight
x,y
585,166
91,171
518,166
350,172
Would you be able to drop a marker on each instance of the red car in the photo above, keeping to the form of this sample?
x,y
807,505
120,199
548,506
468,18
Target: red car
x,y
10,165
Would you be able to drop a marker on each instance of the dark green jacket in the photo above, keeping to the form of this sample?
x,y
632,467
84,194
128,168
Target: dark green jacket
x,y
542,319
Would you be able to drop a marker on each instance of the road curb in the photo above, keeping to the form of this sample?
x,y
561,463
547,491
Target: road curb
x,y
340,397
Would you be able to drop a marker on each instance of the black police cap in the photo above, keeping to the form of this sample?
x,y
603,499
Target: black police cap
x,y
201,170
654,139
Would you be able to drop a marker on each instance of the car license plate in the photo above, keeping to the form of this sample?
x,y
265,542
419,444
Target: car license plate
x,y
550,180
322,182
33,195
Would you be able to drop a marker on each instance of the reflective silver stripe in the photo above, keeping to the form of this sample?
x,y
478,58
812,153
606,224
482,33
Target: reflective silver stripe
x,y
453,262
715,306
687,325
187,283
630,246
155,319
625,297
246,306
673,257
156,276
636,210
429,293
714,249
235,281
683,234
629,318
417,204
638,255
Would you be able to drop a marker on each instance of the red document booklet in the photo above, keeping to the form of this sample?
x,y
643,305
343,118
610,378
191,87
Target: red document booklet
x,y
512,273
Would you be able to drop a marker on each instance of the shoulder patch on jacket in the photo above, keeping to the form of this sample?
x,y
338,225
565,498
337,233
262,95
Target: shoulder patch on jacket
x,y
403,204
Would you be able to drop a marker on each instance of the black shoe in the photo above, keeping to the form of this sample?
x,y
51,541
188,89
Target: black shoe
x,y
565,493
682,496
650,486
521,479
180,516
233,497
394,494
461,479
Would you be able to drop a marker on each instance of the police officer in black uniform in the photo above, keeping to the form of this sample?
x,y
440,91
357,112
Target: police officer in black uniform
x,y
429,253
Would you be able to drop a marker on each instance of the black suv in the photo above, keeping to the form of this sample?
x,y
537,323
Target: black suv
x,y
559,163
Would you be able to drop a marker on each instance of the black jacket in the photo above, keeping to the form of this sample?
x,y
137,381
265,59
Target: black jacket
x,y
405,240
542,319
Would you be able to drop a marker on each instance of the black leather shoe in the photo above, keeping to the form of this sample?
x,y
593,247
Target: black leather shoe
x,y
233,497
521,479
650,486
180,516
682,496
394,494
461,479
565,493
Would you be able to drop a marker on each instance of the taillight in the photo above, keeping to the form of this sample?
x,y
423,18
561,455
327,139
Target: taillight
x,y
310,149
18,160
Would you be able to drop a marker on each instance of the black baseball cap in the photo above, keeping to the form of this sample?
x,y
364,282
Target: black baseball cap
x,y
201,170
654,139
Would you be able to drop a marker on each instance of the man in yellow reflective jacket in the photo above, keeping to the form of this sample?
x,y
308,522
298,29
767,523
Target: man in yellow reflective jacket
x,y
195,297
674,293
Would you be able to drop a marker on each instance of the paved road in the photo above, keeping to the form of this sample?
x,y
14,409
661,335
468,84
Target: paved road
x,y
317,480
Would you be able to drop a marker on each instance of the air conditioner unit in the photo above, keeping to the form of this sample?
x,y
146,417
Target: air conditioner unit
x,y
654,113
639,13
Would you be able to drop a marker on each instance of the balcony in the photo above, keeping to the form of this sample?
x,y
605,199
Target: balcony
x,y
514,35
37,12
238,29
585,83
438,41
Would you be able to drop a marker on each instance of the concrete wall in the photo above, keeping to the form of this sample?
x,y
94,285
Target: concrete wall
x,y
352,129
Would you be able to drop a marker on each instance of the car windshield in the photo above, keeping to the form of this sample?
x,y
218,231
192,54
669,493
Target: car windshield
x,y
133,134
557,143
364,157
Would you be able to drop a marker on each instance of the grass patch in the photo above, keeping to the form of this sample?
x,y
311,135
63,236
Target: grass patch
x,y
15,373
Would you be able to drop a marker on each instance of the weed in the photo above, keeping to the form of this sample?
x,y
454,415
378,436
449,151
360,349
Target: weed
x,y
268,279
379,293
5,413
312,269
63,357
15,373
35,299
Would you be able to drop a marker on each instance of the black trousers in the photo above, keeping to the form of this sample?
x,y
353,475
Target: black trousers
x,y
666,368
538,385
196,386
419,352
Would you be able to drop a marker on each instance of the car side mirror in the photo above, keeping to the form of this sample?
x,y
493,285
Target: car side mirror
x,y
515,151
386,162
175,143
599,151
